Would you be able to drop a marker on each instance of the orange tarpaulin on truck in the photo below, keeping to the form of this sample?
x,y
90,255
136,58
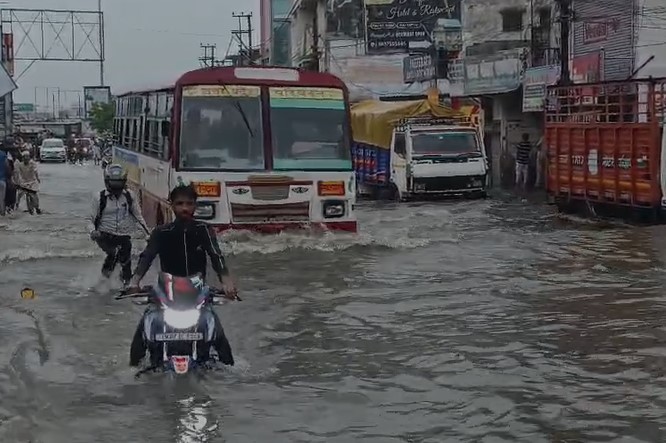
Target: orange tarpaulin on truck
x,y
373,120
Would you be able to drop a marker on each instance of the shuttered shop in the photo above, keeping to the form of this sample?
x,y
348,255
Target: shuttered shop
x,y
606,28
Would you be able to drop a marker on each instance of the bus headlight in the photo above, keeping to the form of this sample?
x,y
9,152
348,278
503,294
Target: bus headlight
x,y
205,211
334,209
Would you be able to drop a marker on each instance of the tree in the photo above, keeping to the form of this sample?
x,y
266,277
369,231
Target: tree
x,y
101,117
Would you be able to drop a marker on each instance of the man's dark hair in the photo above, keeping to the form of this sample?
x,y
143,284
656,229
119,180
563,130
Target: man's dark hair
x,y
526,137
186,191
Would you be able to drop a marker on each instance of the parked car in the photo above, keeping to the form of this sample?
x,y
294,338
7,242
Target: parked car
x,y
53,149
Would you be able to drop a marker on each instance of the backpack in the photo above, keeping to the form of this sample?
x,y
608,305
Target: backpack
x,y
102,205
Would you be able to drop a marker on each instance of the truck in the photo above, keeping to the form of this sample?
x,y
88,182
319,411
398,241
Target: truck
x,y
415,149
606,149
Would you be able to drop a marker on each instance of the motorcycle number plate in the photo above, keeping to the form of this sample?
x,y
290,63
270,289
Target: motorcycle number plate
x,y
181,363
179,336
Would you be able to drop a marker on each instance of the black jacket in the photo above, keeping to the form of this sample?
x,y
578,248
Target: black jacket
x,y
182,248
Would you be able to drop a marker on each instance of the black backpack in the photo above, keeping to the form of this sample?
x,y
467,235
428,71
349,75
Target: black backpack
x,y
102,205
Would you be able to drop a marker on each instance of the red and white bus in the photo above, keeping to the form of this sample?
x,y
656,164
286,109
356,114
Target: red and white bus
x,y
267,148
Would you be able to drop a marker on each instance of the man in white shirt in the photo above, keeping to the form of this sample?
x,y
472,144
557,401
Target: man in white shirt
x,y
97,152
115,212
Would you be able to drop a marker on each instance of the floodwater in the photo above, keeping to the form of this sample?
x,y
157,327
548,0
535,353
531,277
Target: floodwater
x,y
481,321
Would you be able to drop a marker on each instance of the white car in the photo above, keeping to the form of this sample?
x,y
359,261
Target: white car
x,y
53,149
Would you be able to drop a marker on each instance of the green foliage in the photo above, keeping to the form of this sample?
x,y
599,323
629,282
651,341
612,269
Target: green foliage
x,y
101,117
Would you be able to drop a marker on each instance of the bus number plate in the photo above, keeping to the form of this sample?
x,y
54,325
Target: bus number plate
x,y
207,189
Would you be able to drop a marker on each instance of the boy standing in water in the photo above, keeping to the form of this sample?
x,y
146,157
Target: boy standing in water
x,y
26,179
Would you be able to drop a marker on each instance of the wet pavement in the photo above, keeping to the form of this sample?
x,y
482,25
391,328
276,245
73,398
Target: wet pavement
x,y
483,321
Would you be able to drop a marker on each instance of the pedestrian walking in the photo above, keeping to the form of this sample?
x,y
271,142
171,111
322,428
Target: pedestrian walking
x,y
26,179
10,193
523,151
4,174
97,152
115,213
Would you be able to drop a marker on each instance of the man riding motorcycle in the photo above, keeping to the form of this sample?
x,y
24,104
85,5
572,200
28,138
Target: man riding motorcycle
x,y
182,247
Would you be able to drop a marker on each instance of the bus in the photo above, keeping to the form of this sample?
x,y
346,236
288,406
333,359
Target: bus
x,y
267,149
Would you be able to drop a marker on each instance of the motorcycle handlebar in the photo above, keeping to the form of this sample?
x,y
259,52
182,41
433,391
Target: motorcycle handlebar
x,y
146,291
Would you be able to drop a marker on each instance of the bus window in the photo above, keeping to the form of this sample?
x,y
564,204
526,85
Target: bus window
x,y
310,132
126,134
221,133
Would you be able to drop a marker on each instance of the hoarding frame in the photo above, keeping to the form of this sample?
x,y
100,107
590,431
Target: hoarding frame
x,y
88,103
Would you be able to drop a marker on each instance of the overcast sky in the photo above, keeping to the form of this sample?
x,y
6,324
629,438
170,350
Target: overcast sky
x,y
148,42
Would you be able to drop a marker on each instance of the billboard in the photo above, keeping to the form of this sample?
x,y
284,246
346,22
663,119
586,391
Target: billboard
x,y
95,94
392,24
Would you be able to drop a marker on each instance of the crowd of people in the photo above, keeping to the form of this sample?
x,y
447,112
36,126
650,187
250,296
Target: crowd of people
x,y
19,177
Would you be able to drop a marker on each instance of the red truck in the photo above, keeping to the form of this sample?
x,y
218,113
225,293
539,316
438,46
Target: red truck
x,y
605,149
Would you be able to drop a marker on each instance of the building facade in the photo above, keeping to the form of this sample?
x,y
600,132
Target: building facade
x,y
511,51
276,21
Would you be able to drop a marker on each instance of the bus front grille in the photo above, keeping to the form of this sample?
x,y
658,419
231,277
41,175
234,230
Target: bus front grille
x,y
270,193
287,212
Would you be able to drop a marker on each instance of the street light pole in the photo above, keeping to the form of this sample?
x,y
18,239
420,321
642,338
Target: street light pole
x,y
101,42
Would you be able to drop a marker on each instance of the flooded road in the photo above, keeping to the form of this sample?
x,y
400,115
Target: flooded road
x,y
484,321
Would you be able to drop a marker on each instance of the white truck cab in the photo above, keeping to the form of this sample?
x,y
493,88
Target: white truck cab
x,y
431,157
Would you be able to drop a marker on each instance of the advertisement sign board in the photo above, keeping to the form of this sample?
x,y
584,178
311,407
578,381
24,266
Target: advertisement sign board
x,y
392,24
535,82
418,68
492,74
95,94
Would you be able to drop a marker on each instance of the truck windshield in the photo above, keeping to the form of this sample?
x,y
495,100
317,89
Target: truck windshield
x,y
310,129
221,128
445,142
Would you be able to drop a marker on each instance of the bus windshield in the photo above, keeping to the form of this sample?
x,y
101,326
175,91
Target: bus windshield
x,y
309,129
221,128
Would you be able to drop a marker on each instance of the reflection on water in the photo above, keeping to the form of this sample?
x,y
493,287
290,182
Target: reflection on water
x,y
196,423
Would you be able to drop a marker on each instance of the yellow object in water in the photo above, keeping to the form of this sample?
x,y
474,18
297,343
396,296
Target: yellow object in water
x,y
27,293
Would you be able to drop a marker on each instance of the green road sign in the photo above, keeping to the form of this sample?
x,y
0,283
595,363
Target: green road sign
x,y
24,107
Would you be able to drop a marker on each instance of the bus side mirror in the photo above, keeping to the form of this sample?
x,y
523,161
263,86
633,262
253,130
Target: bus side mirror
x,y
166,128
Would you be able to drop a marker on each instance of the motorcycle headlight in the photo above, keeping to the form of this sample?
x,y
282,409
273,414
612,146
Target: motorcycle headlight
x,y
181,319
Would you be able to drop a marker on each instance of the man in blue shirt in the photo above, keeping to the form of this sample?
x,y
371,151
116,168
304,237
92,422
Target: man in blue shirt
x,y
4,176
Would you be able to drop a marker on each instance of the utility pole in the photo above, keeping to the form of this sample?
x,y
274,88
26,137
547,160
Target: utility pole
x,y
101,42
565,30
244,49
208,59
315,41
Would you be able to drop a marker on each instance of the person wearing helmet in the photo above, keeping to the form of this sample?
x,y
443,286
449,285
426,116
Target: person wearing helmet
x,y
114,215
26,179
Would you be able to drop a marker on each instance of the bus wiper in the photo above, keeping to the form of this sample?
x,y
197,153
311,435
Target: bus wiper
x,y
468,155
238,106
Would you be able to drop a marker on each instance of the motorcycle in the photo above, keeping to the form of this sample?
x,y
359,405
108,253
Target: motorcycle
x,y
179,327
